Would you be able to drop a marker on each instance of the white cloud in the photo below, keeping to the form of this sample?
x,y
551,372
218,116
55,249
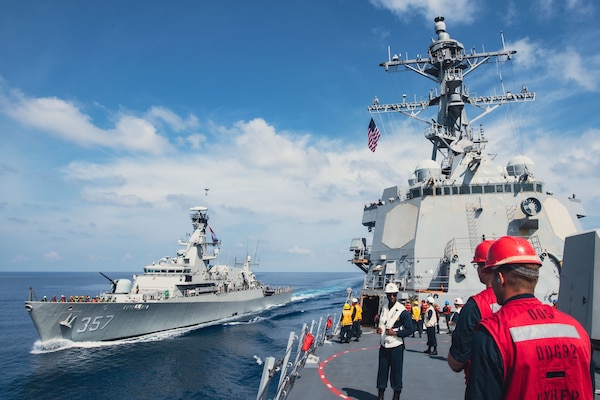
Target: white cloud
x,y
161,114
65,120
298,250
459,11
52,256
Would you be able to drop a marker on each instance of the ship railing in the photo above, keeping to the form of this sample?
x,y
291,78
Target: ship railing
x,y
306,345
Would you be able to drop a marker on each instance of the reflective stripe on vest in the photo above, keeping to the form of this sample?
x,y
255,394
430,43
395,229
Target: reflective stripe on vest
x,y
544,331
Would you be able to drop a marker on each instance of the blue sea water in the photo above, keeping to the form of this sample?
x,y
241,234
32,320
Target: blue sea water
x,y
212,362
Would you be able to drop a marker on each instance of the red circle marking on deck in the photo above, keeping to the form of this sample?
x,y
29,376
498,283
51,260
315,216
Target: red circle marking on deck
x,y
324,379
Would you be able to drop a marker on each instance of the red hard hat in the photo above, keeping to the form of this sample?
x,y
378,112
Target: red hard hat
x,y
511,250
481,251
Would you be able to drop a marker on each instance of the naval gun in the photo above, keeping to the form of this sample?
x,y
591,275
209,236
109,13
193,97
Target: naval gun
x,y
118,285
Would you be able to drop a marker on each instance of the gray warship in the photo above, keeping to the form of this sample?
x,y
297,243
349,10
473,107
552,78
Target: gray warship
x,y
424,236
177,292
424,233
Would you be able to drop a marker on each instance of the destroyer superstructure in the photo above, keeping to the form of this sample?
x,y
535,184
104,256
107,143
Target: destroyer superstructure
x,y
182,291
424,234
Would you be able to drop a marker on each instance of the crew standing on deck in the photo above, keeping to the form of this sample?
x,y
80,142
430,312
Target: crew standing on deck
x,y
527,350
455,315
395,324
430,321
477,307
346,323
416,317
356,319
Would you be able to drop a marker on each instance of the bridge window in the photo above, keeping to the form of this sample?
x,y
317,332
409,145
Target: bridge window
x,y
476,189
489,189
465,190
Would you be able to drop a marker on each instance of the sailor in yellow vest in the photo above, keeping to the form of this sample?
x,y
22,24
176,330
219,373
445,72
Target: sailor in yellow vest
x,y
346,323
356,319
416,317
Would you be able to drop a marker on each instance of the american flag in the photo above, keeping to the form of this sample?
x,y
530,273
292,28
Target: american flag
x,y
373,135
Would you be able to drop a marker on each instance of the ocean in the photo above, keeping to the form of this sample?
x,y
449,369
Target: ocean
x,y
212,362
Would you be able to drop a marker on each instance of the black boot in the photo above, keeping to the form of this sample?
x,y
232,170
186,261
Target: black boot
x,y
381,392
396,395
433,352
428,351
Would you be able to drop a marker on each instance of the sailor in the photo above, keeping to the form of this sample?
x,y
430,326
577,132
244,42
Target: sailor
x,y
356,319
430,322
477,307
455,315
346,323
416,317
394,325
527,350
446,311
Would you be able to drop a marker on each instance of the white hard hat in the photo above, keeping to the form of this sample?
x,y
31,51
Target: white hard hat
x,y
458,300
391,288
354,300
431,300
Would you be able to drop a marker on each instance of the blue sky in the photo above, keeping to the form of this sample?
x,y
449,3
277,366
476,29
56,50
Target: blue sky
x,y
115,116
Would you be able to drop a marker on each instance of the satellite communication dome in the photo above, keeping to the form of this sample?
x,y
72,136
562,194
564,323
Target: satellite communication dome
x,y
428,169
519,165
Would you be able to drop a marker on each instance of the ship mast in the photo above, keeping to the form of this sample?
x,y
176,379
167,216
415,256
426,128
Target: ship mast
x,y
447,65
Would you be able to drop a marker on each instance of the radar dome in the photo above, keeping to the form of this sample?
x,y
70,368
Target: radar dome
x,y
427,169
520,165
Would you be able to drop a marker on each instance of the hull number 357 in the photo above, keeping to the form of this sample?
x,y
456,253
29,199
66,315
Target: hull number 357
x,y
91,324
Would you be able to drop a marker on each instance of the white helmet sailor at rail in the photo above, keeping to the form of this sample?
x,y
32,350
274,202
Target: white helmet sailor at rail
x,y
422,235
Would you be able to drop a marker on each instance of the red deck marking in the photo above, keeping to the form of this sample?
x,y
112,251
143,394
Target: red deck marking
x,y
324,379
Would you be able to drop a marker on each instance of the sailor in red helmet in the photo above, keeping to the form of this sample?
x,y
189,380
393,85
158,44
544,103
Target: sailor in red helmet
x,y
477,307
527,350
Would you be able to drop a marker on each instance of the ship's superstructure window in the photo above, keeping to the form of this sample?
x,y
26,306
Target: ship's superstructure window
x,y
422,191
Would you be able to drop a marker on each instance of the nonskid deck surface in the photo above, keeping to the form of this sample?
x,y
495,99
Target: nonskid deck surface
x,y
349,371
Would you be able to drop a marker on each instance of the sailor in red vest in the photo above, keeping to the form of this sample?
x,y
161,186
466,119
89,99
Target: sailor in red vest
x,y
477,307
527,350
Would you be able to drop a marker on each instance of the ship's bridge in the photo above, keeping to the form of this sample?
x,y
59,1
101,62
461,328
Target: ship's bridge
x,y
451,190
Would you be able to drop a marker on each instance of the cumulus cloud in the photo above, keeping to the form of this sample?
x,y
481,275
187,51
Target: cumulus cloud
x,y
65,120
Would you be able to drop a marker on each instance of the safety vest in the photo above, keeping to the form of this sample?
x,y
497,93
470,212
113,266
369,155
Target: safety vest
x,y
486,302
389,318
357,313
546,353
416,313
346,317
430,321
